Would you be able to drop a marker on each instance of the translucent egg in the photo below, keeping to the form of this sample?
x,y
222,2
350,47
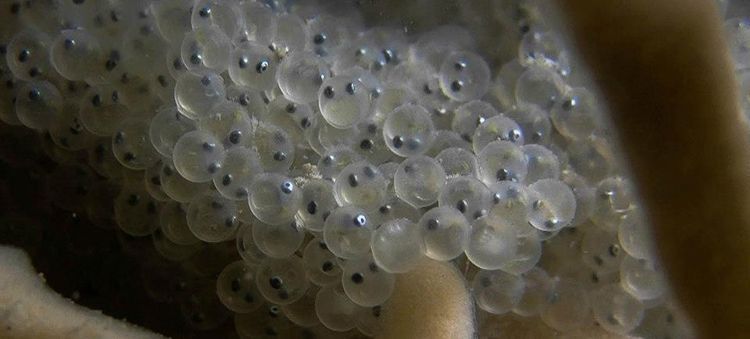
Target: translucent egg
x,y
228,122
368,320
225,15
498,127
201,309
162,85
253,101
601,250
590,158
111,66
325,35
469,116
528,250
539,86
445,233
246,247
501,161
361,52
497,292
246,216
445,139
27,55
237,171
576,116
132,146
300,76
322,266
393,45
174,63
213,218
468,195
172,18
274,147
543,163
253,65
365,283
347,232
265,322
167,126
390,99
612,200
294,119
553,205
143,44
101,110
38,104
370,144
102,160
389,170
134,92
393,209
177,187
538,290
568,307
173,224
664,321
534,122
258,22
73,53
419,181
206,47
196,94
302,311
334,309
361,184
68,132
317,203
278,241
615,310
170,250
136,212
8,99
198,156
152,182
343,101
635,236
408,130
372,84
434,44
457,162
282,281
274,198
464,76
396,246
642,278
492,243
330,136
236,288
544,49
289,35
336,159
584,194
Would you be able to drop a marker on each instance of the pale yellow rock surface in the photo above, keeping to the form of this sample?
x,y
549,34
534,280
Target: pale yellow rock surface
x,y
29,309
430,302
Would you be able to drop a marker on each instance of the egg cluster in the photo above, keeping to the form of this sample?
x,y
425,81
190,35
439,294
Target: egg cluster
x,y
336,156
